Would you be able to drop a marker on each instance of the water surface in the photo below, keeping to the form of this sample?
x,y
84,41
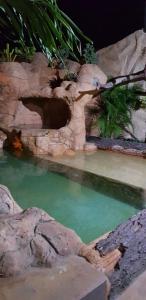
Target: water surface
x,y
88,212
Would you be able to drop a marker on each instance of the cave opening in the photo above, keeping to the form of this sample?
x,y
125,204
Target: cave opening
x,y
55,113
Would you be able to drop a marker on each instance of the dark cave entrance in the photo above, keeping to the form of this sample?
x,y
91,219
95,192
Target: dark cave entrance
x,y
55,112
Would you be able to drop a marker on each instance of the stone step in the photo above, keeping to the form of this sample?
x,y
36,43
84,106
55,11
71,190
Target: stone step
x,y
71,279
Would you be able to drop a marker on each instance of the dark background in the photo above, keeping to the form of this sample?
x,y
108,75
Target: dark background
x,y
105,21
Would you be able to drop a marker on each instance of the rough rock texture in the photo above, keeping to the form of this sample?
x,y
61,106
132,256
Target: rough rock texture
x,y
2,139
7,203
125,57
92,110
31,238
130,239
139,125
19,81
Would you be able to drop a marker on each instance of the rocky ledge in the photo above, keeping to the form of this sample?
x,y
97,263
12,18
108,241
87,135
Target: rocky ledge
x,y
118,145
31,238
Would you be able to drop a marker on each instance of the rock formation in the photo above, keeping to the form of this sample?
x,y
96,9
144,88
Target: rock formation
x,y
27,98
31,238
126,57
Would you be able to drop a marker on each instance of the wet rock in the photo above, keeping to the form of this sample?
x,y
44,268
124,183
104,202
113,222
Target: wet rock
x,y
7,203
90,147
70,152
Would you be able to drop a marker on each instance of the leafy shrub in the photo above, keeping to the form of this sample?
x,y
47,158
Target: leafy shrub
x,y
89,54
24,52
116,105
71,77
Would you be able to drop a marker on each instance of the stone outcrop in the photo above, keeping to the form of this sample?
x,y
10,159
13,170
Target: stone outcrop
x,y
31,238
7,203
138,119
126,57
24,103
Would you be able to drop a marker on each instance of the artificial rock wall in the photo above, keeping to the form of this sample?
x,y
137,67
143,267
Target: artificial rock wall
x,y
126,57
23,83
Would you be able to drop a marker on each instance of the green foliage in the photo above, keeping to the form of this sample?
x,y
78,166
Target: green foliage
x,y
71,76
89,54
63,54
116,109
143,102
41,24
24,52
8,55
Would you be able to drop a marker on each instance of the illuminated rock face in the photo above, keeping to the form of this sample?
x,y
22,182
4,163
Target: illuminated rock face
x,y
42,112
124,57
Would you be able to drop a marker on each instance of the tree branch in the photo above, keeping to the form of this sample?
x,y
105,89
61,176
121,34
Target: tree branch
x,y
112,83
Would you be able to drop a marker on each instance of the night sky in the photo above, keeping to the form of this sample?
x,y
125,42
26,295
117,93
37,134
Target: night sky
x,y
105,21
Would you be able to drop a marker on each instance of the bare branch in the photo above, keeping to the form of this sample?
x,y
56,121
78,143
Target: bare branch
x,y
112,83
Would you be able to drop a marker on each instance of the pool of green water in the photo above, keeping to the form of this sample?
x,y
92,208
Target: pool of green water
x,y
88,212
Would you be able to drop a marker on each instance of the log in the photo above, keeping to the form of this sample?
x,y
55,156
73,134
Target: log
x,y
130,239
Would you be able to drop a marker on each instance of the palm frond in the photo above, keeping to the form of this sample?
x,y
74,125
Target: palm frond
x,y
41,24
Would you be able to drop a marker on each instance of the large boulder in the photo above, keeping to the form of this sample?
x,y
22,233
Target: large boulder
x,y
31,238
91,74
124,57
138,119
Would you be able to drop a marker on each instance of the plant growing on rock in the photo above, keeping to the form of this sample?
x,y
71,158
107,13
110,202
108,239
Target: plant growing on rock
x,y
116,106
24,52
8,55
89,54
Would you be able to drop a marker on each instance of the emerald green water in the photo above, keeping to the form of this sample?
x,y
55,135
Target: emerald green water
x,y
88,212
